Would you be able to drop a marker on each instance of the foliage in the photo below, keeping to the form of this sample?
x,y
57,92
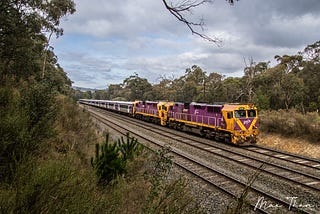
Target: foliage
x,y
111,158
48,187
292,123
75,130
108,163
167,195
130,147
24,25
27,117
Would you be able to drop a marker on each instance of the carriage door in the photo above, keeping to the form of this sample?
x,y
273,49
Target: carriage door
x,y
163,113
229,120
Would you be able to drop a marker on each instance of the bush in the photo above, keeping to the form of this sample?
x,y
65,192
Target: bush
x,y
107,163
75,130
168,195
27,116
291,123
49,187
130,147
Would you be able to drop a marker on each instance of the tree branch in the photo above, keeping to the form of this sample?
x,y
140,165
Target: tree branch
x,y
186,6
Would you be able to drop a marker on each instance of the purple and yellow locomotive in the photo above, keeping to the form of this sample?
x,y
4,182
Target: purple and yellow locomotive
x,y
234,123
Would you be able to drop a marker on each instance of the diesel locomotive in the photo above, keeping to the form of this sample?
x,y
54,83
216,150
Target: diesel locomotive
x,y
230,122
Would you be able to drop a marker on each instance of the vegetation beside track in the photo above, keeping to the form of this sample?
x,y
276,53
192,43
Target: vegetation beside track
x,y
60,177
291,131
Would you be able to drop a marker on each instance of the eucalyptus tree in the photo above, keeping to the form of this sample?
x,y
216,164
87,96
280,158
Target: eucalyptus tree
x,y
25,31
136,87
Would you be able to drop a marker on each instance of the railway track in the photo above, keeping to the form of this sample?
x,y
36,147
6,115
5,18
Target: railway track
x,y
226,183
289,157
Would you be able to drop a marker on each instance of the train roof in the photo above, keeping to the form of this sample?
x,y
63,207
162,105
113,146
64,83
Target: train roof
x,y
206,104
110,101
232,107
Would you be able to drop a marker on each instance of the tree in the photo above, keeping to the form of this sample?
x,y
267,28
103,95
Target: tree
x,y
250,71
291,63
100,95
114,91
232,90
214,85
163,90
178,10
27,106
312,52
292,90
24,26
136,87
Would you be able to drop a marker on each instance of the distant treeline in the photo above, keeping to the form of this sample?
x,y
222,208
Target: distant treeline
x,y
293,83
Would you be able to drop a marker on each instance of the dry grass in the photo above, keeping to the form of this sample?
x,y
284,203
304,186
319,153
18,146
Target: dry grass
x,y
294,145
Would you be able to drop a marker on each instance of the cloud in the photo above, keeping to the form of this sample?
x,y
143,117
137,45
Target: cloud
x,y
107,41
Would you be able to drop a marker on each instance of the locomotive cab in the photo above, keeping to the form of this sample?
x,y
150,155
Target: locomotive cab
x,y
241,120
163,109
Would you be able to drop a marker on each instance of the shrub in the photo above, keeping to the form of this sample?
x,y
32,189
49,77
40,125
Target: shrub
x,y
130,147
108,163
75,131
168,195
291,123
49,187
27,115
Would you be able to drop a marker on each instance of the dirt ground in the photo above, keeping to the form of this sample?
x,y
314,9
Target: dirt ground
x,y
293,145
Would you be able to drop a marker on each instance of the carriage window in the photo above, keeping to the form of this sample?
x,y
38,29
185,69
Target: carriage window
x,y
210,109
252,113
240,113
197,107
216,110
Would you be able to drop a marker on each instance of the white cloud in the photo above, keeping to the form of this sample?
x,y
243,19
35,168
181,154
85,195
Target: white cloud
x,y
106,41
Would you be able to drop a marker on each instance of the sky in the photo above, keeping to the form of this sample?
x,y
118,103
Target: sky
x,y
105,42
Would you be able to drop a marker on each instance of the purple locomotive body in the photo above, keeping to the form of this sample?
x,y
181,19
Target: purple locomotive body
x,y
197,113
147,107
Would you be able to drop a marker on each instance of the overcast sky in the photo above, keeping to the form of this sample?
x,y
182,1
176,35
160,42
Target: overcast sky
x,y
105,42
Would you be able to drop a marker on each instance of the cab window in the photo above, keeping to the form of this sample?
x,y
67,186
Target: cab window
x,y
229,115
252,113
240,113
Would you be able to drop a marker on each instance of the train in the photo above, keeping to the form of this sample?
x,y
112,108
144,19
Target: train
x,y
233,123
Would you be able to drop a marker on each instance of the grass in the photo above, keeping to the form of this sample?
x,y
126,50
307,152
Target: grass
x,y
300,145
291,123
291,131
